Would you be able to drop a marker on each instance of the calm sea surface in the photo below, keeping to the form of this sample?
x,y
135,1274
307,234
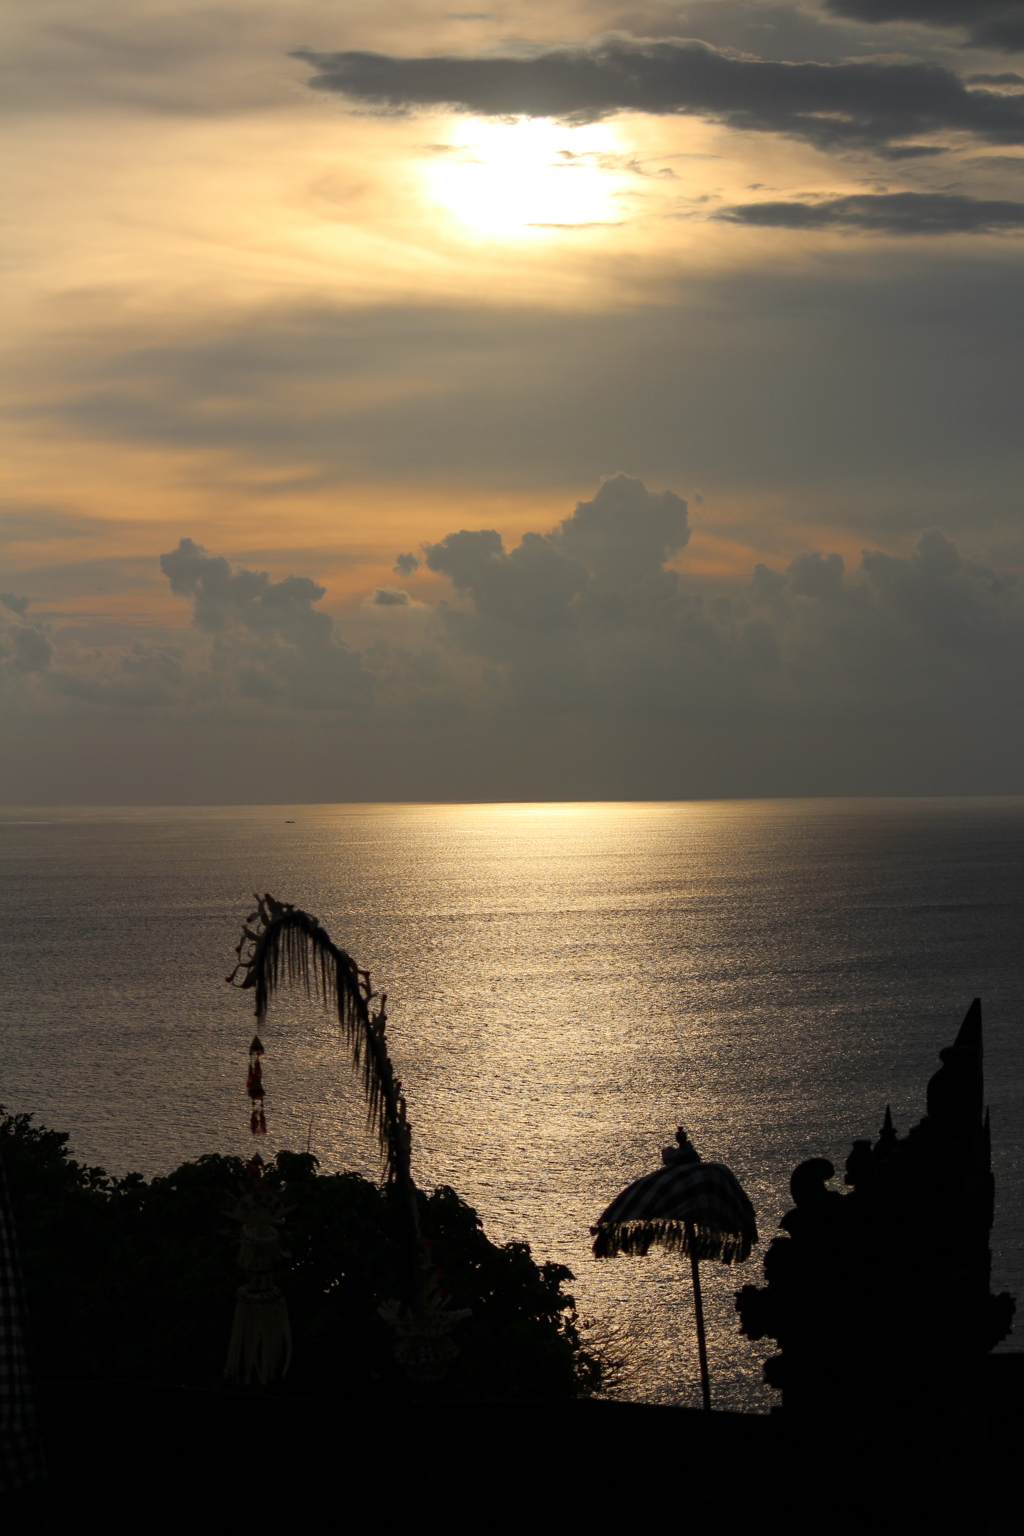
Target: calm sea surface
x,y
566,983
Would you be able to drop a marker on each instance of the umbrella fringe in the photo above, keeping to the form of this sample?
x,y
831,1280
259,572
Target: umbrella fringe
x,y
637,1237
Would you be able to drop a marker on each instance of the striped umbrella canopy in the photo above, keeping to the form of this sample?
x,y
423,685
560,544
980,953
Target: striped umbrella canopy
x,y
687,1206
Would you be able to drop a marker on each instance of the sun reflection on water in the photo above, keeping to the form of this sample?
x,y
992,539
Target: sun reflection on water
x,y
567,983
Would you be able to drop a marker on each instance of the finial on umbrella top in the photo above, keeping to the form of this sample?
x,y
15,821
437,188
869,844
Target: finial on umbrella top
x,y
683,1152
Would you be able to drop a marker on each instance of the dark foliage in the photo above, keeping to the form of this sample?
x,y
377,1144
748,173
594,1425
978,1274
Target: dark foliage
x,y
136,1280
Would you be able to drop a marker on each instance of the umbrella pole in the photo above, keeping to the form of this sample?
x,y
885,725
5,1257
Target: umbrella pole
x,y
698,1307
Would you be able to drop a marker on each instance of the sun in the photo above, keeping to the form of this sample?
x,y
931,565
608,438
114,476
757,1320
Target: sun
x,y
524,178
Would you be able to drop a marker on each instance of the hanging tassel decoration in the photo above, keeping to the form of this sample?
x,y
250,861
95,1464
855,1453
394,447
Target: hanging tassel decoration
x,y
254,1088
261,1336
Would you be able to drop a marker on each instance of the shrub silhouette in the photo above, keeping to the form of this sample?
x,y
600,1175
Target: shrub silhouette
x,y
135,1280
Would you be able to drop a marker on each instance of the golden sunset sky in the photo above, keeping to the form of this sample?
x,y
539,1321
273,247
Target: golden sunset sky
x,y
315,286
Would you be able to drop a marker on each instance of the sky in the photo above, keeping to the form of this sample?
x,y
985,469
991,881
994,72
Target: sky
x,y
572,400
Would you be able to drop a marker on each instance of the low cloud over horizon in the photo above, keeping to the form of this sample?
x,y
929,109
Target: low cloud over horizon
x,y
594,623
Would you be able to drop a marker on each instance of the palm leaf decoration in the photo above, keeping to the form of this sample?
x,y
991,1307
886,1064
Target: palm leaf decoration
x,y
288,947
282,947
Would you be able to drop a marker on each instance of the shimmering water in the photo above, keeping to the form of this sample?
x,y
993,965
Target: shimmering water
x,y
567,983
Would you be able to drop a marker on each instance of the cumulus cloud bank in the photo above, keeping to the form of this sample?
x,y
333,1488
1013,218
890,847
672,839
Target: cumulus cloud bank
x,y
590,618
880,106
596,619
269,641
23,648
609,553
261,644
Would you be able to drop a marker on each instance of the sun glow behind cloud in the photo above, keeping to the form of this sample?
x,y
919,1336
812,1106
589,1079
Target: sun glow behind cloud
x,y
524,179
310,337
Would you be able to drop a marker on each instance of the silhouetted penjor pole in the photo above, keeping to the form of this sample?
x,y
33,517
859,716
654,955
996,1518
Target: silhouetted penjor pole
x,y
687,1206
283,946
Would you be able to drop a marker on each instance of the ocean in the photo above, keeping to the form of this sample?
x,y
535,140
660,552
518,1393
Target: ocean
x,y
566,984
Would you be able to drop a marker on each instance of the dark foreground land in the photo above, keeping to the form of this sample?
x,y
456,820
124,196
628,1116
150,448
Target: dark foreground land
x,y
895,1415
156,1456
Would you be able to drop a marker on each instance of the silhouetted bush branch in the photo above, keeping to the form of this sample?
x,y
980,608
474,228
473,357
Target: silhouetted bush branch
x,y
135,1280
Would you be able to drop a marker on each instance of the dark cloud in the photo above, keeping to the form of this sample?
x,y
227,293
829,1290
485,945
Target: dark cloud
x,y
592,619
892,213
997,24
759,29
24,649
567,626
877,389
390,597
269,642
250,597
872,105
817,575
142,677
609,554
406,564
585,637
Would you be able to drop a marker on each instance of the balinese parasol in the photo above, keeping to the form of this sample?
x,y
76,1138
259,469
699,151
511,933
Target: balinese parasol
x,y
688,1207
